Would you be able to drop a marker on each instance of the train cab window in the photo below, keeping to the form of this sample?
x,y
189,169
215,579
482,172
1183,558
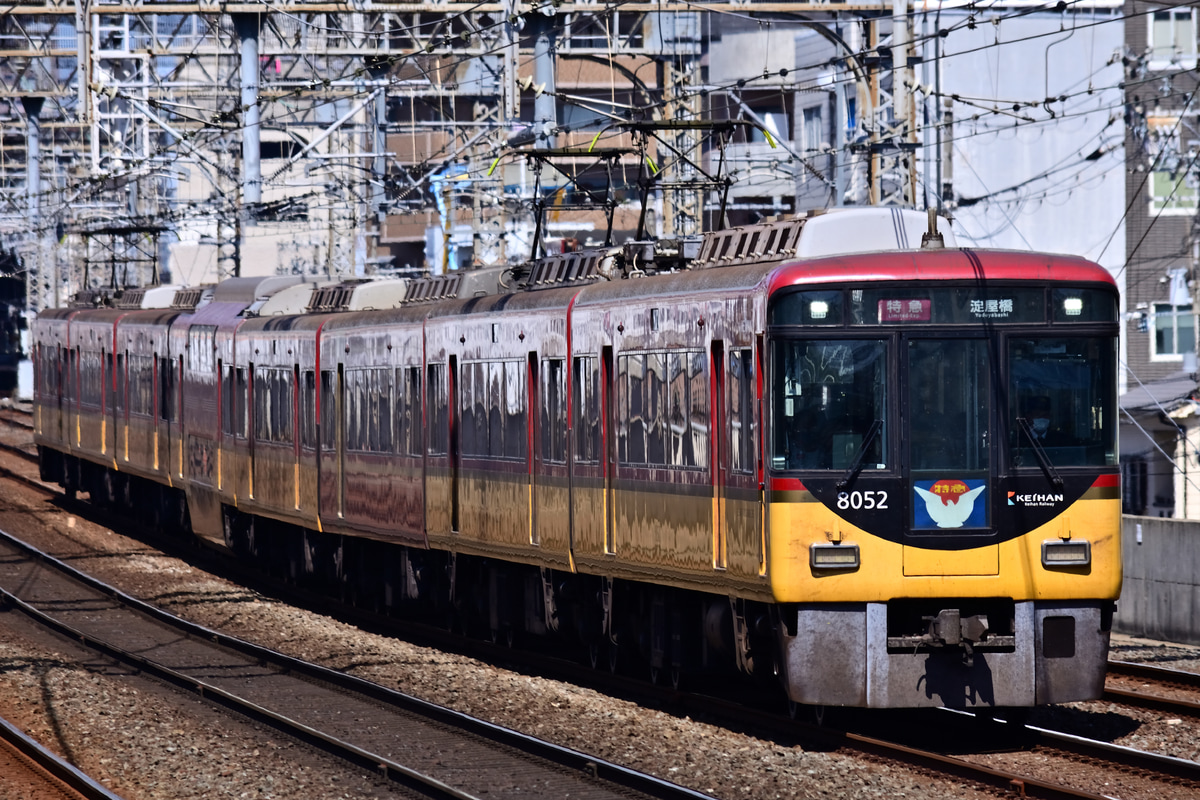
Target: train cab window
x,y
829,404
1061,397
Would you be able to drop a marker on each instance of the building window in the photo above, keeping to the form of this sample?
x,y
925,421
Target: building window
x,y
1172,184
1172,35
1174,331
813,131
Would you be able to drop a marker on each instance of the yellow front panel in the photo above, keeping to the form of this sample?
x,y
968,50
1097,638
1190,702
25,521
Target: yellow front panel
x,y
977,561
881,576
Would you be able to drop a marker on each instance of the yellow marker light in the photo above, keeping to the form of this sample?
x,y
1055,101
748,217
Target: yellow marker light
x,y
1073,306
833,556
1075,553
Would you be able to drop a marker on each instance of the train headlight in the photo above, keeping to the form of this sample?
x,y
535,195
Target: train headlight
x,y
1072,306
1072,553
833,556
818,309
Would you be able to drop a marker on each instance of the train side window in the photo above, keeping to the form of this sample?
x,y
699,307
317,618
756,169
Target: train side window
x,y
352,410
381,410
698,379
655,408
554,411
436,404
586,416
408,410
308,409
680,451
631,428
741,411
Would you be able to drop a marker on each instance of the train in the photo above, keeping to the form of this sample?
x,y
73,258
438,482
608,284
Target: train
x,y
836,452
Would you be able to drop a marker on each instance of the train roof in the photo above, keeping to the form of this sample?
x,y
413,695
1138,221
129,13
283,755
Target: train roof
x,y
962,264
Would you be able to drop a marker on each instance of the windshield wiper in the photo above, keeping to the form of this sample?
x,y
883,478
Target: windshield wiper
x,y
861,455
1042,458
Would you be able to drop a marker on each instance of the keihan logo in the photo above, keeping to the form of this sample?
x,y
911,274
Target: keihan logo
x,y
1034,500
949,503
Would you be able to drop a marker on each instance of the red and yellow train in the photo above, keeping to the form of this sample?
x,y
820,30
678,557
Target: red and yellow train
x,y
887,476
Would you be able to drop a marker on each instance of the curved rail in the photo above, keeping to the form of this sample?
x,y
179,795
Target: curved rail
x,y
591,770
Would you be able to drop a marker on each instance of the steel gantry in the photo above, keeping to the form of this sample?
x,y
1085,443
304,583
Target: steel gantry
x,y
327,135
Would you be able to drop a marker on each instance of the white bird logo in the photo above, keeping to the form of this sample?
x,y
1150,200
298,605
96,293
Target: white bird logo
x,y
948,511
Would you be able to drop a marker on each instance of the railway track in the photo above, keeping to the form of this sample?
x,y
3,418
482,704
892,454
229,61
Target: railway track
x,y
932,758
33,772
428,750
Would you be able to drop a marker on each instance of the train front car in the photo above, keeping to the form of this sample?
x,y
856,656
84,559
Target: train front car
x,y
943,483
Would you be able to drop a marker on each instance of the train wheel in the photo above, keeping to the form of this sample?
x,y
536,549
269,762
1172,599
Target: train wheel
x,y
676,677
593,654
614,658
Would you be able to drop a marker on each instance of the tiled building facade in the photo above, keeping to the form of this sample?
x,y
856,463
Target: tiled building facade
x,y
1162,250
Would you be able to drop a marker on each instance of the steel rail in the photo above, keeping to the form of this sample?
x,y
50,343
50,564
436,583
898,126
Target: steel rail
x,y
66,774
573,760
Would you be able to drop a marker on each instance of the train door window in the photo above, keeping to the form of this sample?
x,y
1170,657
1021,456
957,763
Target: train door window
x,y
120,376
283,407
741,411
436,405
227,400
408,411
470,415
553,411
241,419
262,405
948,404
586,416
328,404
308,409
166,390
515,422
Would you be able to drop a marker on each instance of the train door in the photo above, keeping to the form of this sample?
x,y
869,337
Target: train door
x,y
607,418
251,423
538,420
121,407
297,423
720,466
949,436
452,410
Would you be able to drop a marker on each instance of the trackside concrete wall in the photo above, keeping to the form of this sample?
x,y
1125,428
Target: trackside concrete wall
x,y
1160,598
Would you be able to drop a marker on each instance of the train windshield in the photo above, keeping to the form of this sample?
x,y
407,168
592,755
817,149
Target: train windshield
x,y
831,404
1061,402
